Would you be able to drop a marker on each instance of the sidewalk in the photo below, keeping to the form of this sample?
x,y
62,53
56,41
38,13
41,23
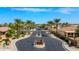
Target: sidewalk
x,y
65,45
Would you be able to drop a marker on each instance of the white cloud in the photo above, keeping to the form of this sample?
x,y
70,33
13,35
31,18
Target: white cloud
x,y
33,9
65,10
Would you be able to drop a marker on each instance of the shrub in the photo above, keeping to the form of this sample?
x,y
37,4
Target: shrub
x,y
77,31
0,37
6,41
17,36
10,33
23,35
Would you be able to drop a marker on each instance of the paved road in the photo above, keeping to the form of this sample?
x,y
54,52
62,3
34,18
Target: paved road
x,y
51,44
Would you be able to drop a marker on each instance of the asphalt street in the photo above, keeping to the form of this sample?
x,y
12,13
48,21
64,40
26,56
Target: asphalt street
x,y
51,44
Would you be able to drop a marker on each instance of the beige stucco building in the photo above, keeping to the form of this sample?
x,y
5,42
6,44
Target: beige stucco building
x,y
69,31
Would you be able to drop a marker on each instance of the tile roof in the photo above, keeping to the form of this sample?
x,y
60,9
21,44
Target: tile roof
x,y
4,29
70,28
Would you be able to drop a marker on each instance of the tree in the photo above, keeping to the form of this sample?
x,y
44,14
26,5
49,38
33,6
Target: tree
x,y
0,40
56,21
0,37
10,33
5,24
50,23
43,26
65,24
11,25
18,26
0,25
6,42
30,25
77,30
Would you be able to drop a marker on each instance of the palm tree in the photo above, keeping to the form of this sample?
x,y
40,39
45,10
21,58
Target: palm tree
x,y
11,25
29,22
65,24
50,23
18,25
56,21
30,25
10,33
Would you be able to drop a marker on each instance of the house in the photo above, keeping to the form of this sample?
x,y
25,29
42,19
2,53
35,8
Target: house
x,y
69,32
3,30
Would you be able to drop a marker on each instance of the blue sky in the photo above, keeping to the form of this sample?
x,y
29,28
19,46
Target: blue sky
x,y
39,14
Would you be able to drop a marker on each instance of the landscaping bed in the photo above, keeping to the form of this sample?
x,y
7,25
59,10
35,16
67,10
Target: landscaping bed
x,y
66,39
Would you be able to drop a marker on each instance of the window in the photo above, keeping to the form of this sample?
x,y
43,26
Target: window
x,y
70,34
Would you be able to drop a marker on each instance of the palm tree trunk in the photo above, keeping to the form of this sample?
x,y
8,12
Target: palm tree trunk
x,y
56,28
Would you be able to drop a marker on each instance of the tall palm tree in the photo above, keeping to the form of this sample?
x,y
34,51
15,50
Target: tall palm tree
x,y
33,25
18,22
30,24
56,21
50,23
18,26
10,33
